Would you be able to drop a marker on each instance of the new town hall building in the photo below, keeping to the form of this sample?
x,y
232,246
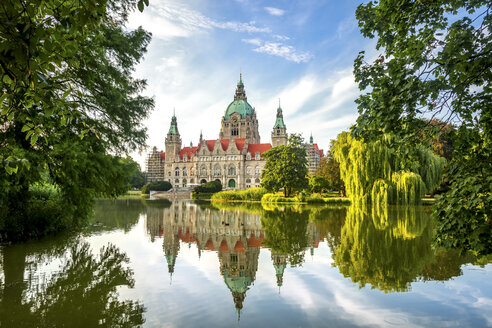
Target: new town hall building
x,y
235,158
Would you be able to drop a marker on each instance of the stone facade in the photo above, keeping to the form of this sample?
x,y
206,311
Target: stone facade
x,y
235,158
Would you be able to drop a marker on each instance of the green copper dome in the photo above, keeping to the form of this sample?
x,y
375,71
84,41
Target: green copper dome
x,y
279,122
238,106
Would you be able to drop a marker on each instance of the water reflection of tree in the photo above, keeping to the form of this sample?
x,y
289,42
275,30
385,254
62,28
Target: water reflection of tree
x,y
83,292
387,249
286,232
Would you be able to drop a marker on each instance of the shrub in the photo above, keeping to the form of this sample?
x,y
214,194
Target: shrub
x,y
156,186
209,187
252,194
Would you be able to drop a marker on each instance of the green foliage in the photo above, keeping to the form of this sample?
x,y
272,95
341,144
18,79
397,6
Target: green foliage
x,y
69,100
286,233
277,198
285,167
83,291
329,169
436,63
374,172
136,178
251,194
209,187
318,184
156,186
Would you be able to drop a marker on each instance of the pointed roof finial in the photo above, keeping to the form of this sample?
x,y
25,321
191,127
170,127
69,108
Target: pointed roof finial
x,y
279,102
174,111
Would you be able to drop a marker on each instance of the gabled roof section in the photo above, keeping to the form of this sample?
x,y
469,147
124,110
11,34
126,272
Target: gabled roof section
x,y
258,148
210,144
240,143
188,151
225,144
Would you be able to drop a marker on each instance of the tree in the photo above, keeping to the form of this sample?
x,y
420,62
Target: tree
x,y
329,169
435,63
286,167
374,172
68,101
136,178
318,184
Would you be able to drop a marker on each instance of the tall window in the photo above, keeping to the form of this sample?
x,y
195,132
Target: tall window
x,y
176,171
234,130
248,170
217,171
232,170
257,170
203,170
185,172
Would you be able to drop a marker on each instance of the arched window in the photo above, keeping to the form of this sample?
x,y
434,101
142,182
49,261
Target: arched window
x,y
185,172
184,182
248,156
169,173
248,180
234,130
202,181
203,170
192,171
176,172
192,180
278,131
257,180
232,183
177,182
232,170
248,170
217,170
257,170
257,156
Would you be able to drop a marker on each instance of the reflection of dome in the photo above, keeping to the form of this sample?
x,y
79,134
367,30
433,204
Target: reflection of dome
x,y
238,106
237,284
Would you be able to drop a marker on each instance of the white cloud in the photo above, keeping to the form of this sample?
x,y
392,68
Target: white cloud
x,y
275,11
287,52
168,20
256,42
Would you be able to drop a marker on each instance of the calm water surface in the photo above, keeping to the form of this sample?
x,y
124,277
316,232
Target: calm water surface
x,y
183,264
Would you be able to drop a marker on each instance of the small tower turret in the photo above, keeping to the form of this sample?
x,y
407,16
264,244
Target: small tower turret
x,y
279,133
173,141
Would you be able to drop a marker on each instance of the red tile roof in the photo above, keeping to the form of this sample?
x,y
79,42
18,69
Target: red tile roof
x,y
210,245
239,247
260,148
163,156
255,242
239,143
210,144
223,246
188,151
225,144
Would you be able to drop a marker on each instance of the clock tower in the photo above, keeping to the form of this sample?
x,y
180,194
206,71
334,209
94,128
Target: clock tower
x,y
240,120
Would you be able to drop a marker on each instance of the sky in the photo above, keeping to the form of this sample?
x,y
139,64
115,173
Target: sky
x,y
300,53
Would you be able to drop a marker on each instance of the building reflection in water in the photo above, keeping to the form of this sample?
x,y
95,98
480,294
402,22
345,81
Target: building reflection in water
x,y
235,235
388,250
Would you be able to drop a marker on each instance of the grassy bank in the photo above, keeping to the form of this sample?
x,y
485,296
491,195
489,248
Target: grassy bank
x,y
261,195
202,195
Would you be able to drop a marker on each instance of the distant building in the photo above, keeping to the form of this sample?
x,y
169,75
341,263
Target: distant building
x,y
235,158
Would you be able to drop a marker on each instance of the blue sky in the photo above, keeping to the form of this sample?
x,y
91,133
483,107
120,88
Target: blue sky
x,y
299,51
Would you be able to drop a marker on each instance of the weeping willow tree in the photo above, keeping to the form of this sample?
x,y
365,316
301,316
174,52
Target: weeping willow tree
x,y
374,172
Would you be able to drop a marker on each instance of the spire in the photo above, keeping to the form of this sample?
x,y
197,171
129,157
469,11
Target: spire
x,y
279,122
311,139
173,129
240,93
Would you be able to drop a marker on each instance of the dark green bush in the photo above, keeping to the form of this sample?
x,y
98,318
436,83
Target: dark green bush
x,y
156,186
209,187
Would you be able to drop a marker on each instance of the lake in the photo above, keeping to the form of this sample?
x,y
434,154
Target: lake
x,y
156,263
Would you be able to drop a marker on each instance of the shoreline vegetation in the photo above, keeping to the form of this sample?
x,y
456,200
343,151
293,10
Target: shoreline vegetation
x,y
260,195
